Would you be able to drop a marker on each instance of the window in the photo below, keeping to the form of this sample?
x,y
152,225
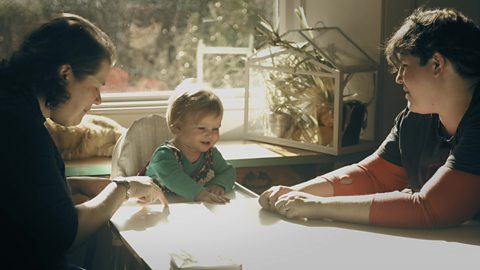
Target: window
x,y
157,43
156,40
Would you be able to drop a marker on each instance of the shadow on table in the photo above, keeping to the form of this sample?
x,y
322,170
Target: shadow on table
x,y
467,233
144,218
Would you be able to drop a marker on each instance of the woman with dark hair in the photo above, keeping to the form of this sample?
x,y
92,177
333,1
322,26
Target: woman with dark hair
x,y
433,149
56,73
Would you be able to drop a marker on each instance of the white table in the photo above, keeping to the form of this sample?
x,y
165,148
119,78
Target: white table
x,y
259,239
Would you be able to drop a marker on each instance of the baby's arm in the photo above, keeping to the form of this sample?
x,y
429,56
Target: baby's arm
x,y
165,168
225,174
216,189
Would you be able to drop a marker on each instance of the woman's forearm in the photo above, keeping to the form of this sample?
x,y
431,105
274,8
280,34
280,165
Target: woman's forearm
x,y
353,209
98,211
371,175
87,186
318,186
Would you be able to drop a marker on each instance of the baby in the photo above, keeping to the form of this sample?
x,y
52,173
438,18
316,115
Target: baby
x,y
190,165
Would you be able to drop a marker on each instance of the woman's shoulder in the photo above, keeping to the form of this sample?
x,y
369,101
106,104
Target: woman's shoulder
x,y
22,114
408,121
16,105
472,116
469,128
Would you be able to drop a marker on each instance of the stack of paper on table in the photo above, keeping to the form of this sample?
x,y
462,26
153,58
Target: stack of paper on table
x,y
183,260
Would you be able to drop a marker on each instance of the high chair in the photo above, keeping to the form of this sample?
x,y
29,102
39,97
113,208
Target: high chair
x,y
136,146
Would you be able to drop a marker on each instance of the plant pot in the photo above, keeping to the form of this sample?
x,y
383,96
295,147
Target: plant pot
x,y
354,113
325,123
279,124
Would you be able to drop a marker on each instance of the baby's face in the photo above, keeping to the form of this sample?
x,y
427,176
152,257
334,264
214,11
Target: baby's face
x,y
201,135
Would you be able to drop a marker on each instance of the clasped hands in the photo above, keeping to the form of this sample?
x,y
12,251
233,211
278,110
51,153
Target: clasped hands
x,y
291,203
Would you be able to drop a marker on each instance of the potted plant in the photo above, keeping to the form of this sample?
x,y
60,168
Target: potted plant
x,y
301,102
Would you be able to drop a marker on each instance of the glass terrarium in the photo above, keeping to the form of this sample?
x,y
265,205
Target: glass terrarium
x,y
312,89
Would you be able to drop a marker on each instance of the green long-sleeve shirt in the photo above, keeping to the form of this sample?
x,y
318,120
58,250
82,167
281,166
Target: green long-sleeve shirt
x,y
180,179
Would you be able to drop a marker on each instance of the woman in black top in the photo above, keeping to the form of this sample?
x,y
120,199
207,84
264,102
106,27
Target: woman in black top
x,y
433,148
56,73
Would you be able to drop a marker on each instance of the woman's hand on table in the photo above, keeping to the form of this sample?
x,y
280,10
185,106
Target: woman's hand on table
x,y
269,197
145,190
297,204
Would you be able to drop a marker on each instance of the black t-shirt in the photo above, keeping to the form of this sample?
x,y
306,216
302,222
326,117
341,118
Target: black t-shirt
x,y
38,218
416,143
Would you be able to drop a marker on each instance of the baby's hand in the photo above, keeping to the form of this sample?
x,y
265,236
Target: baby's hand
x,y
216,189
208,197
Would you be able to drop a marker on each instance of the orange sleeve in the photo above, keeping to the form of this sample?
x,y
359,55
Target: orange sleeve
x,y
449,198
371,175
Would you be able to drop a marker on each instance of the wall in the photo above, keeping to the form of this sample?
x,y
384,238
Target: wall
x,y
360,20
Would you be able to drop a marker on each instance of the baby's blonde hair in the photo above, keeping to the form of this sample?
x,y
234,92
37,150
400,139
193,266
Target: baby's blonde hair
x,y
192,101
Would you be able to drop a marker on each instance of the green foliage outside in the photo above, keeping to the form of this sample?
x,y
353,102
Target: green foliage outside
x,y
156,39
